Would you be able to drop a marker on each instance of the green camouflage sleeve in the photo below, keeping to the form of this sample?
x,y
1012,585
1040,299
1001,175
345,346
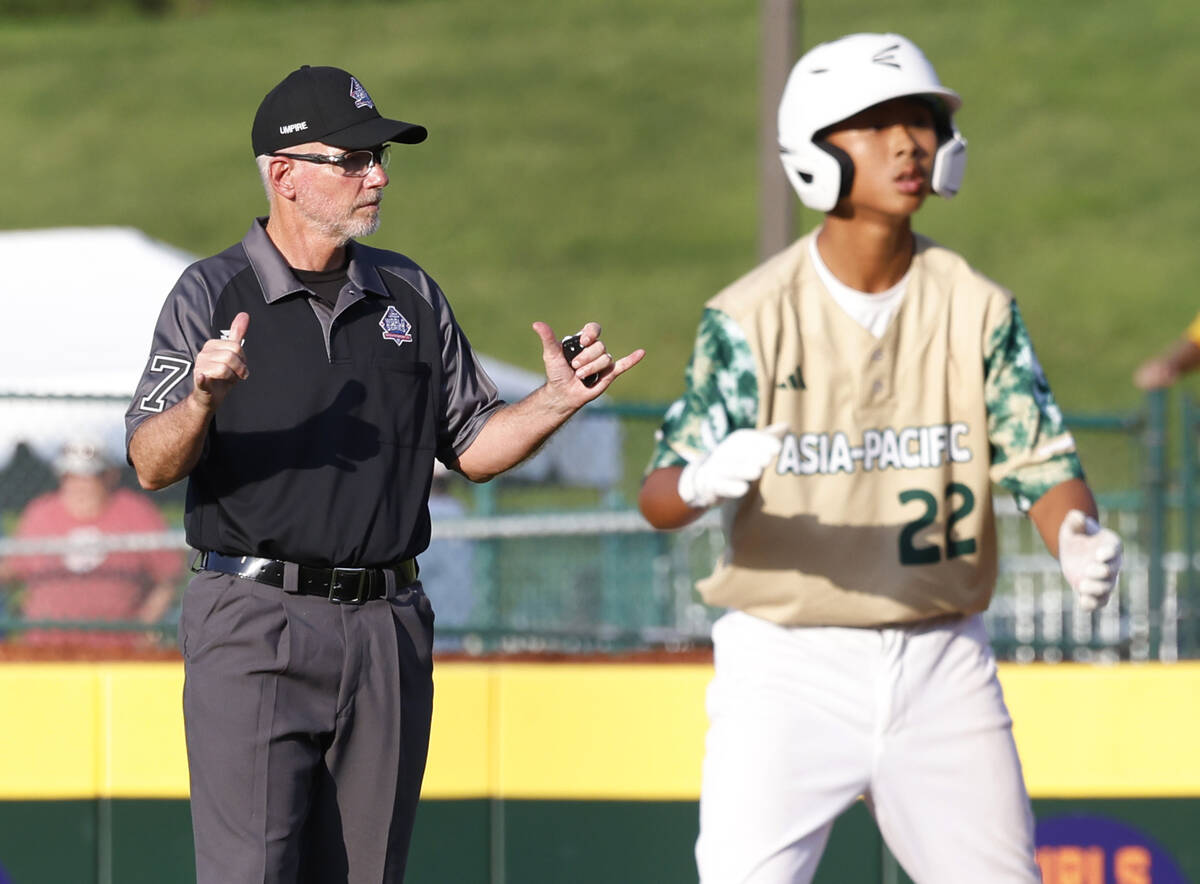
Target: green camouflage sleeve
x,y
1031,448
720,395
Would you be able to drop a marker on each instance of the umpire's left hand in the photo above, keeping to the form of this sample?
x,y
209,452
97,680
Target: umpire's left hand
x,y
565,380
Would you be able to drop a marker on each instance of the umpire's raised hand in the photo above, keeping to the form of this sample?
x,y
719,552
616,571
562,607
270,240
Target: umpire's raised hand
x,y
565,378
166,447
220,364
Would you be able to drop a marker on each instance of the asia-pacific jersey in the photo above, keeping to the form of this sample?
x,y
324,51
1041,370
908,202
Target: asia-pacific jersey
x,y
879,508
324,454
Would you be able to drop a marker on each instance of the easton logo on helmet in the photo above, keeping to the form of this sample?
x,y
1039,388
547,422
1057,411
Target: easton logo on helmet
x,y
887,56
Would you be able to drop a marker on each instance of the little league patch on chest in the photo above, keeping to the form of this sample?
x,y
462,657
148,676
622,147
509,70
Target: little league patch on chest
x,y
395,327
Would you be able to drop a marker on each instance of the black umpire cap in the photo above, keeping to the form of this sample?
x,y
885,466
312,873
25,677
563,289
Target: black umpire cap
x,y
328,105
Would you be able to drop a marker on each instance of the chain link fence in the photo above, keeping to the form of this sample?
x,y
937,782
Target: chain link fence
x,y
552,559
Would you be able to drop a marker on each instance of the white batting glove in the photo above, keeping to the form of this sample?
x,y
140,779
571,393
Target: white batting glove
x,y
1090,558
727,470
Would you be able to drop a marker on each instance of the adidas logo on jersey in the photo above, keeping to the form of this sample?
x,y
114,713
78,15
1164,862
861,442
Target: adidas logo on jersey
x,y
912,448
794,381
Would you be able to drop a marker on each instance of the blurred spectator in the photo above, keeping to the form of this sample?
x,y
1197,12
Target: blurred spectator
x,y
88,582
1183,357
25,477
448,566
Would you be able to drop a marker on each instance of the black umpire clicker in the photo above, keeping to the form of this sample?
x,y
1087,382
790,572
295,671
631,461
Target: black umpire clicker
x,y
572,348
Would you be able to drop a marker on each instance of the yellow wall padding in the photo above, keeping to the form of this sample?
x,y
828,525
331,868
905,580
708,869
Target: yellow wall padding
x,y
587,731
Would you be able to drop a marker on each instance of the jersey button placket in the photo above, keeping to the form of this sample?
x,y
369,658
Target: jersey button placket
x,y
876,373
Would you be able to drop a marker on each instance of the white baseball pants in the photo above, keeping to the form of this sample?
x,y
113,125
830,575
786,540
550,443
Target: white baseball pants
x,y
804,720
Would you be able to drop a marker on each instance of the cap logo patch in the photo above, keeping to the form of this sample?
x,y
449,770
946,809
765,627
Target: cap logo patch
x,y
395,327
359,94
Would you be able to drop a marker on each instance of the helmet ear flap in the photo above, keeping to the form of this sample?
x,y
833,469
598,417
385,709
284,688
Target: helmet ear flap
x,y
845,167
949,166
820,173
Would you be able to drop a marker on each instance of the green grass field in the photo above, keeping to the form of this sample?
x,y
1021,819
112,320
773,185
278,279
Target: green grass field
x,y
598,160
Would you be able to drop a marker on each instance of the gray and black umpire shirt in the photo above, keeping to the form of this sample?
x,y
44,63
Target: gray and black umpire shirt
x,y
324,455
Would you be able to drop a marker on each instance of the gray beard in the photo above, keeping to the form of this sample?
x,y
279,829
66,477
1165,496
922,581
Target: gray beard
x,y
320,212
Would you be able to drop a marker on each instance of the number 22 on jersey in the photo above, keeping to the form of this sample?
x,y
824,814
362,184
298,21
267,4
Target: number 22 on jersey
x,y
910,553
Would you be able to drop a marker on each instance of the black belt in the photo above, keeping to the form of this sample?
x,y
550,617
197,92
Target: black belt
x,y
343,586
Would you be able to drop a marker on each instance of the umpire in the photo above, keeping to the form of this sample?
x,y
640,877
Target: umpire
x,y
304,384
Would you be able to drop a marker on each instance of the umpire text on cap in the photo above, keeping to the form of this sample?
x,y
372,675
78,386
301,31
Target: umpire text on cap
x,y
328,105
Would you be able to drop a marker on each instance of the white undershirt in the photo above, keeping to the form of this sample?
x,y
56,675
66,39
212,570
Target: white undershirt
x,y
872,311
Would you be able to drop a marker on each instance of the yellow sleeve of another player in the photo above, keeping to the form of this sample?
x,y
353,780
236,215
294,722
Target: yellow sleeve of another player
x,y
1193,331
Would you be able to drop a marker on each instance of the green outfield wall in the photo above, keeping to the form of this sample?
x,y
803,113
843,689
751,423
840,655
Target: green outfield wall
x,y
578,773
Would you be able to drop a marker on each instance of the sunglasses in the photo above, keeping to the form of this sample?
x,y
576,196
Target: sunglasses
x,y
354,163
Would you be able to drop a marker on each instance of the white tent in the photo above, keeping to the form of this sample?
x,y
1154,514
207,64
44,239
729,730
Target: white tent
x,y
80,307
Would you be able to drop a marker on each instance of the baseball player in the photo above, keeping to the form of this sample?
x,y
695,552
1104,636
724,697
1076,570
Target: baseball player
x,y
849,404
1164,370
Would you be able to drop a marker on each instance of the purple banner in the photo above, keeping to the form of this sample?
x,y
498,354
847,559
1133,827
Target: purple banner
x,y
1097,850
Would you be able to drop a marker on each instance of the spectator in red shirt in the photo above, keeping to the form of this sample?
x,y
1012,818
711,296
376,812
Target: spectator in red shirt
x,y
88,581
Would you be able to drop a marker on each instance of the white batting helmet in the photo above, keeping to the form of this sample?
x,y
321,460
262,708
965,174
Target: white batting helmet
x,y
834,81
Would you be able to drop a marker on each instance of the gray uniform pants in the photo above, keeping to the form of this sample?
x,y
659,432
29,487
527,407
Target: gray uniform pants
x,y
307,729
